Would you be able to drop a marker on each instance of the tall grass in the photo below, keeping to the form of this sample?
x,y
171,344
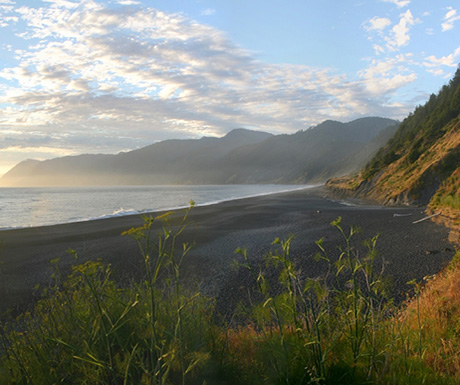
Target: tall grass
x,y
327,328
340,328
88,330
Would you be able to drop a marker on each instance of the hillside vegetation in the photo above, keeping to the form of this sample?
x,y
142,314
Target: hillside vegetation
x,y
420,164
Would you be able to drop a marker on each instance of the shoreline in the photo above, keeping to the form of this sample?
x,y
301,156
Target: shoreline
x,y
410,250
134,212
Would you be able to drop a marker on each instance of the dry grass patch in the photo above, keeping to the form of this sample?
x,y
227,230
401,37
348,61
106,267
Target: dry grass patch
x,y
438,309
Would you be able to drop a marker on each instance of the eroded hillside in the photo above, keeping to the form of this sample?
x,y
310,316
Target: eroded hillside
x,y
421,163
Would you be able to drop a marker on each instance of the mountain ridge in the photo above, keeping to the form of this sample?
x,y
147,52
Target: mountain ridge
x,y
241,156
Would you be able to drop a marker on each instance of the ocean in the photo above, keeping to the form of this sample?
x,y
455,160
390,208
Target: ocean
x,y
30,207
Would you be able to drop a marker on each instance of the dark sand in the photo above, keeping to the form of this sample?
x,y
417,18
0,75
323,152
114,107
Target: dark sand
x,y
410,250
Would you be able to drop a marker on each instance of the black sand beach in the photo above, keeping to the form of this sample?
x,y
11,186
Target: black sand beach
x,y
409,250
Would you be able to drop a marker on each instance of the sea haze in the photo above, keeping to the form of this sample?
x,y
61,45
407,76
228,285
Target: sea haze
x,y
29,207
240,157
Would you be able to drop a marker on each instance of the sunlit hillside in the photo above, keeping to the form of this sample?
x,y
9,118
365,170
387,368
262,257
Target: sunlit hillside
x,y
420,164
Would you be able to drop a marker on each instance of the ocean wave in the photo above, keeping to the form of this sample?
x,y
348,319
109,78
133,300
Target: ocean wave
x,y
117,213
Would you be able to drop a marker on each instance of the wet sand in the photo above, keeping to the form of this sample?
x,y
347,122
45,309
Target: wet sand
x,y
409,250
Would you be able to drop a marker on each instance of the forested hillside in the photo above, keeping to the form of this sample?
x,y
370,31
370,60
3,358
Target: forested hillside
x,y
421,159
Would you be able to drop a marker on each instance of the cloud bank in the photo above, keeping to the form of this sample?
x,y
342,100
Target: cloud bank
x,y
91,77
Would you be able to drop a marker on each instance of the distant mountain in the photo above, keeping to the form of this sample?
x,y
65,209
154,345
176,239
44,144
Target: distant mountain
x,y
242,156
420,164
306,156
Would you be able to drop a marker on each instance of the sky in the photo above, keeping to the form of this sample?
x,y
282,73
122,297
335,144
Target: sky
x,y
105,76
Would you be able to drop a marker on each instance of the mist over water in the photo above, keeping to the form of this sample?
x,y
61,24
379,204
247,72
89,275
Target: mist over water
x,y
28,207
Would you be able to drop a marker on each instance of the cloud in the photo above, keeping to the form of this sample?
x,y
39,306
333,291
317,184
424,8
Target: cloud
x,y
433,61
5,21
378,49
436,72
128,2
208,12
436,66
394,39
98,79
6,18
377,24
450,18
387,76
399,36
62,3
398,3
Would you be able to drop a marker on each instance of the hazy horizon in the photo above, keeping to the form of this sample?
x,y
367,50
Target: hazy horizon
x,y
242,156
120,152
